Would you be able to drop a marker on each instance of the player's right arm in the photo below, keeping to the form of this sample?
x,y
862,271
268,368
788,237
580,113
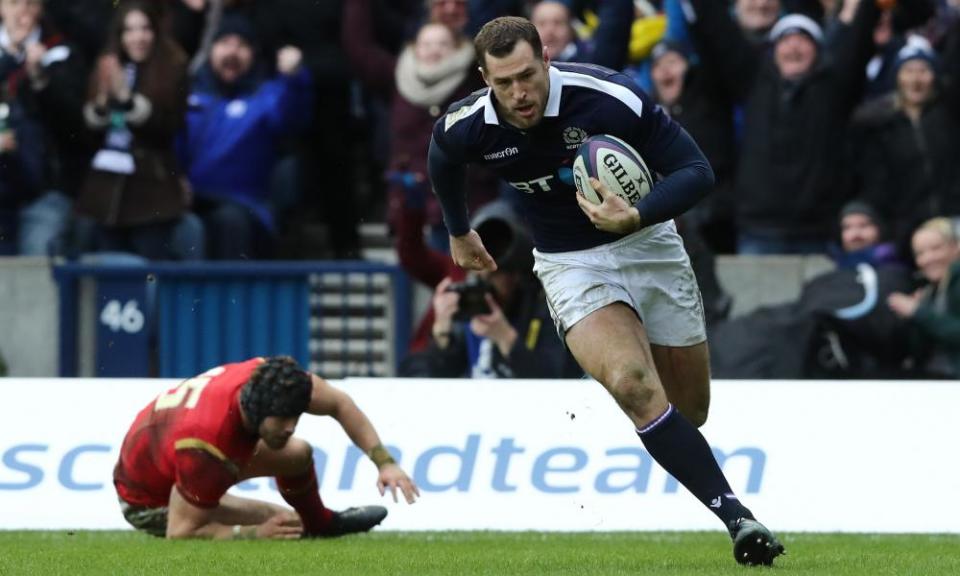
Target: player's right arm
x,y
447,177
196,509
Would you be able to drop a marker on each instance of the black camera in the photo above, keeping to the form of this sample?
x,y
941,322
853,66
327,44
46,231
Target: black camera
x,y
473,300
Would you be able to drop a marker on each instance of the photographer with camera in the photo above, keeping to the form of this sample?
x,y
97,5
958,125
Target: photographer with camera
x,y
494,324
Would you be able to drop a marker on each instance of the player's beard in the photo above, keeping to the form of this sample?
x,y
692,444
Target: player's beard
x,y
526,121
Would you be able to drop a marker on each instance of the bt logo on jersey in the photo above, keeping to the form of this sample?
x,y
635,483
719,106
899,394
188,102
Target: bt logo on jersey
x,y
532,186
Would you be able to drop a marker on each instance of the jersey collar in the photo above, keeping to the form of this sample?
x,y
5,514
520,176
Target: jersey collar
x,y
553,99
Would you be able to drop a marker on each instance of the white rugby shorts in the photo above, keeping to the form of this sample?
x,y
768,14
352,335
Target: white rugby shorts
x,y
648,270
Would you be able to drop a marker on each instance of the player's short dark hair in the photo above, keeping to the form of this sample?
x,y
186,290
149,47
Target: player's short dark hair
x,y
278,387
499,37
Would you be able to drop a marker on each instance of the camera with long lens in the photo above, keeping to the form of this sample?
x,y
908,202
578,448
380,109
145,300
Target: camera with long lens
x,y
473,301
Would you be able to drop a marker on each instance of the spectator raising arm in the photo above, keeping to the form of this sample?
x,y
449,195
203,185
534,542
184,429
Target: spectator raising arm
x,y
850,45
612,37
723,47
291,91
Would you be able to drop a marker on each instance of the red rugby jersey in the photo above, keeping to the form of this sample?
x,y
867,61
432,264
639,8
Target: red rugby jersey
x,y
191,436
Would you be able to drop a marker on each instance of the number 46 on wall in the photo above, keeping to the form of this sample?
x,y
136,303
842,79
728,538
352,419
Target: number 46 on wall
x,y
126,317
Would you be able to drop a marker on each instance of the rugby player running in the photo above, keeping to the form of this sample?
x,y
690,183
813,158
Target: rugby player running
x,y
617,278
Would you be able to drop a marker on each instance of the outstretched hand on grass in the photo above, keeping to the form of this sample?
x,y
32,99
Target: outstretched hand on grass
x,y
393,477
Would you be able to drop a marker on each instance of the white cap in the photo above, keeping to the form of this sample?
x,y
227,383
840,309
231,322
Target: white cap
x,y
796,23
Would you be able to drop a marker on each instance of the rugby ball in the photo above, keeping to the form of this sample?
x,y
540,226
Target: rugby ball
x,y
614,163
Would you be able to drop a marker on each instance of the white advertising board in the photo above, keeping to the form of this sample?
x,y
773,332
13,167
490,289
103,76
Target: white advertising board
x,y
537,455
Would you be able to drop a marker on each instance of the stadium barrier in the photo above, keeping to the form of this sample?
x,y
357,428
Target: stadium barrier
x,y
536,455
178,319
29,301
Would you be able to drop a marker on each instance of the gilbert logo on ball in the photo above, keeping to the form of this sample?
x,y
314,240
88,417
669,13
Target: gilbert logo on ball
x,y
614,163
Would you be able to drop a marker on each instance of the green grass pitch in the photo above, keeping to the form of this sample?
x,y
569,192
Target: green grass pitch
x,y
468,553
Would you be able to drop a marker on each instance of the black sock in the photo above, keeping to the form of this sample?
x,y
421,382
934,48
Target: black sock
x,y
683,452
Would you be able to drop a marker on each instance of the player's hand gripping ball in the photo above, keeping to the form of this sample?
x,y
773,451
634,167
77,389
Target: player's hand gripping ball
x,y
614,163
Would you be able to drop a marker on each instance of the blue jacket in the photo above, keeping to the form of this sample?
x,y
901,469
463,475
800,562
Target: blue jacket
x,y
229,146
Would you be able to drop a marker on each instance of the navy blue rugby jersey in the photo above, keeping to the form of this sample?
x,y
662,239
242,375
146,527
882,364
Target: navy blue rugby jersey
x,y
583,100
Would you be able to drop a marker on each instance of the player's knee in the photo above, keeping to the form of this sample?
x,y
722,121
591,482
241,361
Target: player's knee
x,y
632,388
697,415
300,453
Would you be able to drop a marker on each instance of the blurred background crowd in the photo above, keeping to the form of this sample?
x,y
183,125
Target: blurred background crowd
x,y
236,129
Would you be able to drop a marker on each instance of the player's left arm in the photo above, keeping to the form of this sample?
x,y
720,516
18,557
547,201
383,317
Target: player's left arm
x,y
203,476
185,520
686,175
686,178
201,480
325,400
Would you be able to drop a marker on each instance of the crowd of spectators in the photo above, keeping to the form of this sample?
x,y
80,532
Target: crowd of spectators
x,y
212,128
222,129
175,129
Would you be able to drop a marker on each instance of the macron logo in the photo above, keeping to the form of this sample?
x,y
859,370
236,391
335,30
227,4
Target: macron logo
x,y
716,502
505,153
